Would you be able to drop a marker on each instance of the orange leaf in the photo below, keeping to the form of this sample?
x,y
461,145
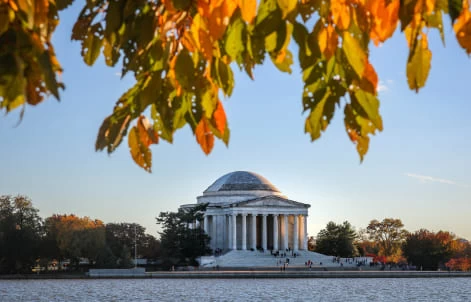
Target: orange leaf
x,y
340,14
385,19
328,40
204,136
215,24
462,28
369,80
248,9
147,135
219,117
204,8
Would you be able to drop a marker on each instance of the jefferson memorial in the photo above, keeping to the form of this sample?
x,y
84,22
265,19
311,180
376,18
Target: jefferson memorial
x,y
246,212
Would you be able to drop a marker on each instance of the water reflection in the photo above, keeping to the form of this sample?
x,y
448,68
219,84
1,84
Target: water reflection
x,y
427,289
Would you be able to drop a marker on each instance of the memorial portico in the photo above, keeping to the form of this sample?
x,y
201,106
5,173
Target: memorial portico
x,y
245,212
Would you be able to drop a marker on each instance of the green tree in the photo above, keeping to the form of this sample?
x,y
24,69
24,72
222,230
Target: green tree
x,y
388,234
20,234
337,240
180,244
425,249
121,236
181,54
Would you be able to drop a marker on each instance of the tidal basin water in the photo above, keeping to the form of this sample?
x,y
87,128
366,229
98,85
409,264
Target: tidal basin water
x,y
426,289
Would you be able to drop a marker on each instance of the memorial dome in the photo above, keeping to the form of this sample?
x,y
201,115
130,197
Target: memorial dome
x,y
241,181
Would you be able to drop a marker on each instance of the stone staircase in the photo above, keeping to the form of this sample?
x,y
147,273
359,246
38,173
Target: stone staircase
x,y
252,259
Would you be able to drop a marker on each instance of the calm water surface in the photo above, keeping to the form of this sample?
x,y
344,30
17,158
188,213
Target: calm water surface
x,y
433,289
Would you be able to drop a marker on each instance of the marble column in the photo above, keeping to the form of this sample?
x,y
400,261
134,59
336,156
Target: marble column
x,y
264,232
275,232
244,231
295,234
254,231
305,232
205,224
234,231
285,231
229,232
214,232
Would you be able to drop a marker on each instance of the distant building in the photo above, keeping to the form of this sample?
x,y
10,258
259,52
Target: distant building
x,y
246,212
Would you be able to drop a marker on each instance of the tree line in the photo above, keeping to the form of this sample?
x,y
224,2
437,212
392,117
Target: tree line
x,y
389,243
73,243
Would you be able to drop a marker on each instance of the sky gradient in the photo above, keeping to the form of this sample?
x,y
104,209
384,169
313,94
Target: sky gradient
x,y
417,169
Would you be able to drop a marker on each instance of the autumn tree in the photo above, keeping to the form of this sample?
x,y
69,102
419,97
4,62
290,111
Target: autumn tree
x,y
20,234
337,240
76,237
182,54
389,234
181,243
425,249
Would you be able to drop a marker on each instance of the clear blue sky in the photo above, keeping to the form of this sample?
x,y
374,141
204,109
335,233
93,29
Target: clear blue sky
x,y
417,169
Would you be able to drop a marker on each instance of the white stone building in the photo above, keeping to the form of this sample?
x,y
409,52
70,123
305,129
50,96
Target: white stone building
x,y
246,212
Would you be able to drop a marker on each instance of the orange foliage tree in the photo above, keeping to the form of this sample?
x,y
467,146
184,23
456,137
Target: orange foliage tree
x,y
182,52
75,236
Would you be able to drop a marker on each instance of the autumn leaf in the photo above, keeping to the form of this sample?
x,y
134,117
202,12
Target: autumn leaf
x,y
204,137
328,41
248,9
418,65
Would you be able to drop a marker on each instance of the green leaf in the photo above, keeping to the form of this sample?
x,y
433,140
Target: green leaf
x,y
49,74
164,132
418,65
184,70
114,17
321,114
223,76
4,19
367,105
234,44
268,18
287,7
92,44
406,12
454,9
62,4
181,4
435,20
354,53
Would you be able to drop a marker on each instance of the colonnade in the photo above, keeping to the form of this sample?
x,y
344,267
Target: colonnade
x,y
284,230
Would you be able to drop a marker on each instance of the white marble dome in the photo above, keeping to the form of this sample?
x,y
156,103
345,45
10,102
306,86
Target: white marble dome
x,y
238,186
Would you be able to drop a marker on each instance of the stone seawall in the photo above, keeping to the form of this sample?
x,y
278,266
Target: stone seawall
x,y
306,274
251,275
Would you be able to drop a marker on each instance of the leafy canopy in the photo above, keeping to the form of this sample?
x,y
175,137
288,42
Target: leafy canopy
x,y
182,53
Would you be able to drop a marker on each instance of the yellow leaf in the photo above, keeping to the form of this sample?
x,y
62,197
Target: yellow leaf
x,y
204,136
418,65
248,9
355,54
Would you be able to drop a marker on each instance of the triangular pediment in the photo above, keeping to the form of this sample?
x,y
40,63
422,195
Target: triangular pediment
x,y
271,201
